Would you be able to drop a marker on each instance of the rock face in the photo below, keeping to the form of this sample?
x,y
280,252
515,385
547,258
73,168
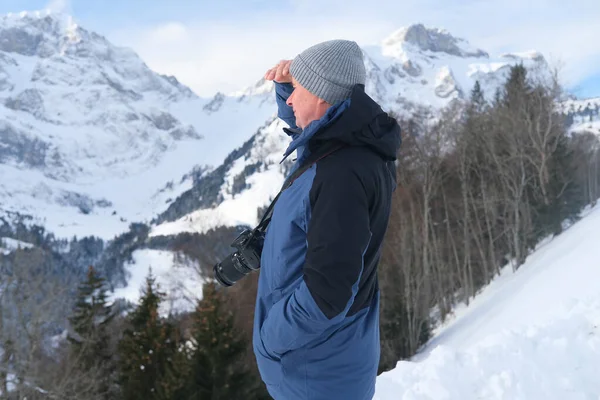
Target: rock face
x,y
94,104
434,40
417,66
29,100
446,85
20,148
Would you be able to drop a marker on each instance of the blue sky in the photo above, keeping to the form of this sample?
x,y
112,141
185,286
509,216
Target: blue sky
x,y
226,45
588,87
106,15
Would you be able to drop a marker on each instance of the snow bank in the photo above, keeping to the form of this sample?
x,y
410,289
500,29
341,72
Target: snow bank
x,y
559,360
533,334
8,245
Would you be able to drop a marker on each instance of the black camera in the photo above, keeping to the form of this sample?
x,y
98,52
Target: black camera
x,y
246,259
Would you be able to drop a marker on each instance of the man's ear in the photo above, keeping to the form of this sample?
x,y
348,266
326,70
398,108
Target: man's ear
x,y
323,102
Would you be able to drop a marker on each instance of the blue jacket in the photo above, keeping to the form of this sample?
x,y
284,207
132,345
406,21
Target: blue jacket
x,y
316,327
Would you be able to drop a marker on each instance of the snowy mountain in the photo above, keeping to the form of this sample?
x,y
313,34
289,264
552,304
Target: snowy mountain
x,y
429,67
531,334
91,138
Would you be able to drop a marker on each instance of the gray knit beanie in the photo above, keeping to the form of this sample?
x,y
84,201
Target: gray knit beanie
x,y
330,69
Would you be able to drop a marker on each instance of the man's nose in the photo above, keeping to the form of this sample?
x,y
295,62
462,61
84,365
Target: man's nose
x,y
289,100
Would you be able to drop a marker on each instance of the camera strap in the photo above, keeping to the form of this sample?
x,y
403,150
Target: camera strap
x,y
323,152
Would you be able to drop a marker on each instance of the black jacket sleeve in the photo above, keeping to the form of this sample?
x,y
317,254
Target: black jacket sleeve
x,y
338,237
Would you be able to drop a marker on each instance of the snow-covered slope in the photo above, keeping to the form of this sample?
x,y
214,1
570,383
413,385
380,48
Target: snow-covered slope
x,y
8,245
533,334
241,192
179,278
584,114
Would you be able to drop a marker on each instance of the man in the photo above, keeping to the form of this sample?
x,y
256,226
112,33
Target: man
x,y
316,328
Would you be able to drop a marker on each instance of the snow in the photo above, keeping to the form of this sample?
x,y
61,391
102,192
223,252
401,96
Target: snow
x,y
71,31
585,125
231,212
588,119
592,127
8,244
179,279
11,382
530,334
93,116
558,361
580,104
241,208
531,54
436,68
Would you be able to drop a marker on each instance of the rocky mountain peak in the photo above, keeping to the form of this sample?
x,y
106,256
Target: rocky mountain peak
x,y
55,39
38,33
432,39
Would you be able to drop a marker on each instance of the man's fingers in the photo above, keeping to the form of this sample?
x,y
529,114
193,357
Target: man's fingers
x,y
280,72
286,68
270,75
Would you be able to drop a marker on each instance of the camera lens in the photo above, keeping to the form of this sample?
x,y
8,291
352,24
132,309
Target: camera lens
x,y
230,270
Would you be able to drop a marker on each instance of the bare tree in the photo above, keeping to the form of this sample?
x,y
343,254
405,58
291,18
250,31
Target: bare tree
x,y
478,187
36,362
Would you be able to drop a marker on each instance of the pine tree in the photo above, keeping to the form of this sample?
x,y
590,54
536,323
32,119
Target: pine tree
x,y
90,336
497,101
396,341
216,369
149,350
474,113
91,310
477,98
567,198
516,88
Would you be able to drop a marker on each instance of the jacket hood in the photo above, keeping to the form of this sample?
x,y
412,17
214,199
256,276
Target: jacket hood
x,y
363,123
357,121
301,137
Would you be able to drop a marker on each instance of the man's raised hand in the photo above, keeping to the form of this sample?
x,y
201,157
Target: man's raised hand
x,y
280,73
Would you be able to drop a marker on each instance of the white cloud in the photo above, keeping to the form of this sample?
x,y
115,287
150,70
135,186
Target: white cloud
x,y
59,6
228,55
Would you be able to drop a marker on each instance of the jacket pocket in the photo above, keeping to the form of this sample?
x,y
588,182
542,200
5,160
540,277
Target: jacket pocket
x,y
294,370
269,365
